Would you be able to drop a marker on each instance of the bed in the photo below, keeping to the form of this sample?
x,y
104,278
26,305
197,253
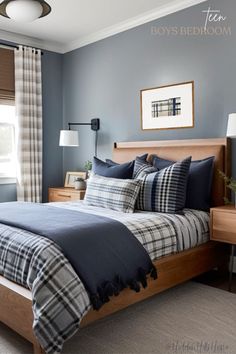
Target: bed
x,y
173,268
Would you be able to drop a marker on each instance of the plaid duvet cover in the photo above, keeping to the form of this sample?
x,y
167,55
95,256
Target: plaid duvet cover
x,y
59,298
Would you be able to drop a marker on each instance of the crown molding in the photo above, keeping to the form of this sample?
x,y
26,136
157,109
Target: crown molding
x,y
149,16
31,42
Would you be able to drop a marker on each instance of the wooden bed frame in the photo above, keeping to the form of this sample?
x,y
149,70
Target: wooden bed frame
x,y
16,301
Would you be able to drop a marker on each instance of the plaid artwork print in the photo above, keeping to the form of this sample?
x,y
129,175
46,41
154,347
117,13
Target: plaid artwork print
x,y
163,191
28,100
112,193
60,300
165,108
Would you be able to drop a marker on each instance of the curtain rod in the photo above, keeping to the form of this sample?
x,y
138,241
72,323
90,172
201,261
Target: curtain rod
x,y
14,46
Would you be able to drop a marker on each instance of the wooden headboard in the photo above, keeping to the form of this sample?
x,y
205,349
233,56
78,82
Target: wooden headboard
x,y
180,149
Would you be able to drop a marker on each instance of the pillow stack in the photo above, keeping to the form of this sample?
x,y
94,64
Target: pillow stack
x,y
164,186
112,186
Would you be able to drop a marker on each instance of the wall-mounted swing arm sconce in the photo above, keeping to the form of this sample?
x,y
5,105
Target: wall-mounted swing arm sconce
x,y
71,137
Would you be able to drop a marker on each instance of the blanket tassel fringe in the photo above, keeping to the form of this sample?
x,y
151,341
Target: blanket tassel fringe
x,y
113,288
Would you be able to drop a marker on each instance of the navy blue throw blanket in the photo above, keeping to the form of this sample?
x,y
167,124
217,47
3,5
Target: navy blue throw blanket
x,y
104,253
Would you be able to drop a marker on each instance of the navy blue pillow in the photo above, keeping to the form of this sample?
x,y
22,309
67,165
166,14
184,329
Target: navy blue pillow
x,y
123,171
113,163
199,181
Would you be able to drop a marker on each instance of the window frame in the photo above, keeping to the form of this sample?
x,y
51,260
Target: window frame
x,y
8,178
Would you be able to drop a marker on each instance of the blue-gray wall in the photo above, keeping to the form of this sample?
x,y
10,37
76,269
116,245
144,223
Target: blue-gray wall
x,y
7,192
52,120
52,123
104,79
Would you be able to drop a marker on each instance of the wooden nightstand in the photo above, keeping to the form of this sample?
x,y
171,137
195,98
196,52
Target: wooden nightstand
x,y
223,229
64,194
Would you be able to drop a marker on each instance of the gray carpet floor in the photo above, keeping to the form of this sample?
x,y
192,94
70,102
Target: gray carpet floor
x,y
188,319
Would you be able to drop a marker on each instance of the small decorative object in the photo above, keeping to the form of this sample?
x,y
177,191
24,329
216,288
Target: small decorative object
x,y
71,178
80,184
230,183
88,167
168,107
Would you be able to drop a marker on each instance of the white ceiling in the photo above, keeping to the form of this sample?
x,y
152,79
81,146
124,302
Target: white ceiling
x,y
75,23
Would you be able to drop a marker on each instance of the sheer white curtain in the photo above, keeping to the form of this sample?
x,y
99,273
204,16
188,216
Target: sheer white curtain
x,y
28,99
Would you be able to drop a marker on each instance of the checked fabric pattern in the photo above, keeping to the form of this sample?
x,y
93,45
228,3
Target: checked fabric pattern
x,y
163,191
59,298
112,193
28,99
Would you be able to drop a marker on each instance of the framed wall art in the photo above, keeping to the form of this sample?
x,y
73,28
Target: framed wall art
x,y
168,107
71,177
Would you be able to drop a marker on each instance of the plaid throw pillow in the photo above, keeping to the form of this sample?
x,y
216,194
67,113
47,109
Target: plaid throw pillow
x,y
142,168
164,191
112,193
198,194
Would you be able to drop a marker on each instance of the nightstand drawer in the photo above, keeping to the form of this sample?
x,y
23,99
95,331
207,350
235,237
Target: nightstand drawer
x,y
59,196
64,194
223,226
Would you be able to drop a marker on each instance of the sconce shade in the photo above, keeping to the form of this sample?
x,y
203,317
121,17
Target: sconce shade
x,y
231,129
69,138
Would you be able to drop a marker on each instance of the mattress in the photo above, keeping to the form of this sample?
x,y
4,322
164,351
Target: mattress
x,y
59,298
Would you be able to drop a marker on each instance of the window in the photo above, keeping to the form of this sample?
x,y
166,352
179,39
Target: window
x,y
7,117
7,140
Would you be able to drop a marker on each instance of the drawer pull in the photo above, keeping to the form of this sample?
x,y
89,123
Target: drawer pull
x,y
64,195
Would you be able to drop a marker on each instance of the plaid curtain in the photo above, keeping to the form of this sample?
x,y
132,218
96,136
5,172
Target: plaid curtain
x,y
28,98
